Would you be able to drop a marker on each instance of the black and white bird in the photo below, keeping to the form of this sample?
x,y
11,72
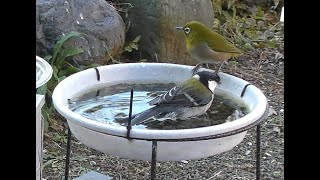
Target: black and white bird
x,y
189,99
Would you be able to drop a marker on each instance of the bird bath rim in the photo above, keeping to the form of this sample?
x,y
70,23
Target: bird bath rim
x,y
138,70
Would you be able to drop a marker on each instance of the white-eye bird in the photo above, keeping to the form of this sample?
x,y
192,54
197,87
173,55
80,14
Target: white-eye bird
x,y
207,46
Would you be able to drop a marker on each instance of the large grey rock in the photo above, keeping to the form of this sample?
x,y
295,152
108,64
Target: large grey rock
x,y
40,38
156,20
102,27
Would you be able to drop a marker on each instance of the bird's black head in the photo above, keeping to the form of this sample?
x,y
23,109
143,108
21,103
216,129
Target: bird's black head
x,y
205,77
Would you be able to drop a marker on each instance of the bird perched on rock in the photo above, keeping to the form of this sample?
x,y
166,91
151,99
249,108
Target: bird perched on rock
x,y
191,98
207,46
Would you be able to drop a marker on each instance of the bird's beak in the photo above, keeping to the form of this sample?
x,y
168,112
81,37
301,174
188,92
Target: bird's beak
x,y
179,28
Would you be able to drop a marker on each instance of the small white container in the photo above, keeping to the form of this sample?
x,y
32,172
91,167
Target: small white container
x,y
43,75
43,71
39,136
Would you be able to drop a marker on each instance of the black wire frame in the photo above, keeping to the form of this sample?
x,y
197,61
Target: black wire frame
x,y
155,144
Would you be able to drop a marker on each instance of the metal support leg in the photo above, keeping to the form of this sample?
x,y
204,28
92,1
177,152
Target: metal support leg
x,y
154,160
129,127
258,152
66,171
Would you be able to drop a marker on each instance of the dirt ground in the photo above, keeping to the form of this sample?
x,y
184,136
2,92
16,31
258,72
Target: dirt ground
x,y
264,69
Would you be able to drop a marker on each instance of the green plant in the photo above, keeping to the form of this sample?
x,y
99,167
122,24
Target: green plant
x,y
132,45
129,47
61,69
247,26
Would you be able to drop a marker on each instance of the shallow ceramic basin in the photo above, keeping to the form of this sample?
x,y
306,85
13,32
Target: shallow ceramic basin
x,y
172,145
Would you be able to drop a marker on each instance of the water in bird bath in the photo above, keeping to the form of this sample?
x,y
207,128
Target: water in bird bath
x,y
107,103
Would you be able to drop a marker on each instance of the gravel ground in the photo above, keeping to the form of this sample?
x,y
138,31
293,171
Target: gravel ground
x,y
264,68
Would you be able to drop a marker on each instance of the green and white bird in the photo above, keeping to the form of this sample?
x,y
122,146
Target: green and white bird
x,y
207,46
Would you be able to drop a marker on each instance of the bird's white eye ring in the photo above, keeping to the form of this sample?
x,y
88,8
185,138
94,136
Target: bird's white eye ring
x,y
187,30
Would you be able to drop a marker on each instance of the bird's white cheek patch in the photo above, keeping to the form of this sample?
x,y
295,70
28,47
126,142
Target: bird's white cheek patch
x,y
196,76
212,85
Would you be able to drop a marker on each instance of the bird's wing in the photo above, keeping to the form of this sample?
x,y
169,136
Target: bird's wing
x,y
215,43
204,52
166,97
188,94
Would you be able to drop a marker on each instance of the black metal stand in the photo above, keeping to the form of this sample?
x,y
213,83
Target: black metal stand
x,y
154,156
155,142
66,171
129,127
154,160
258,152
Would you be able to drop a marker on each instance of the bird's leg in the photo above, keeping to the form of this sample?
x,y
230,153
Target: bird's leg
x,y
195,69
220,66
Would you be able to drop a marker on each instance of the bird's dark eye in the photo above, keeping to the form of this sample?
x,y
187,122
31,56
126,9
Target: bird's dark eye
x,y
187,30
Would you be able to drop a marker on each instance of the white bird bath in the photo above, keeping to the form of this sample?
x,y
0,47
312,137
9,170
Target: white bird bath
x,y
172,145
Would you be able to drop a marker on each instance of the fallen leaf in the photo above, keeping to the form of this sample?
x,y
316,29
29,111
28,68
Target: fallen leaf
x,y
278,56
272,112
263,55
276,129
56,127
267,154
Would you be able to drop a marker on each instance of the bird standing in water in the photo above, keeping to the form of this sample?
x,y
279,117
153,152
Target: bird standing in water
x,y
207,46
191,98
